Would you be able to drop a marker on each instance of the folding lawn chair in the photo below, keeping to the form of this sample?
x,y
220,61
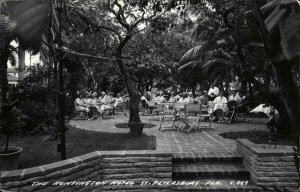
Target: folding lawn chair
x,y
192,117
178,113
166,113
121,107
228,112
206,114
154,110
109,113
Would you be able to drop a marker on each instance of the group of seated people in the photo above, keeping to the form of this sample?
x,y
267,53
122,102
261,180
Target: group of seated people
x,y
95,107
214,95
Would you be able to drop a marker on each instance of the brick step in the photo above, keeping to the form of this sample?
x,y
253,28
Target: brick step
x,y
222,185
214,171
206,157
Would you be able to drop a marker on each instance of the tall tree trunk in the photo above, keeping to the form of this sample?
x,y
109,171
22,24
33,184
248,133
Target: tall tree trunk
x,y
132,90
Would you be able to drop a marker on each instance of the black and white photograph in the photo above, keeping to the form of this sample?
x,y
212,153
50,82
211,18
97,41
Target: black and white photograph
x,y
149,95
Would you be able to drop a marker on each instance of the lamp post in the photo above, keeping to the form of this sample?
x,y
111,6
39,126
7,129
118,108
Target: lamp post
x,y
61,146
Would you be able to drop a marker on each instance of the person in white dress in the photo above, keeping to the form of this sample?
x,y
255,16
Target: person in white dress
x,y
80,104
118,100
105,102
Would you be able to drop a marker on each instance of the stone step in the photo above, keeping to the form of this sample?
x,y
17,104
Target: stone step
x,y
209,171
206,157
222,185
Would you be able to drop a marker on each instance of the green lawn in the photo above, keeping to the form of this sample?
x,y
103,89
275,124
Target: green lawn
x,y
38,150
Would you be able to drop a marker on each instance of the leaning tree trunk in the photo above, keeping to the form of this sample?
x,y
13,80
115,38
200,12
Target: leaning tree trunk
x,y
133,92
134,95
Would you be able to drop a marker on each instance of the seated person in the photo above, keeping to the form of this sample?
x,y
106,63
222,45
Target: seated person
x,y
234,97
92,102
172,98
189,99
204,99
177,97
182,98
220,105
80,104
105,102
144,101
118,100
213,92
198,95
160,98
243,105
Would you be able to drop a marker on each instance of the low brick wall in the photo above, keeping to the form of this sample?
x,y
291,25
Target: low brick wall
x,y
97,171
269,167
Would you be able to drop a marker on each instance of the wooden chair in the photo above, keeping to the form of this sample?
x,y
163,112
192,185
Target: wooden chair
x,y
121,107
206,114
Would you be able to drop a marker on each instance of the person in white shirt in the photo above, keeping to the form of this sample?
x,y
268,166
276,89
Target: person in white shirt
x,y
160,98
213,92
220,105
234,97
182,98
118,100
189,99
220,101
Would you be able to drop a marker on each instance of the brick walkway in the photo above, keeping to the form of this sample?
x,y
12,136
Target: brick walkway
x,y
206,141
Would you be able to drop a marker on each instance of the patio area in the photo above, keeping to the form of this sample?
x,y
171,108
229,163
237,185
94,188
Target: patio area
x,y
205,141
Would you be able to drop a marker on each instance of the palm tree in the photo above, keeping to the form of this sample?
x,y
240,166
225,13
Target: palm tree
x,y
213,65
285,98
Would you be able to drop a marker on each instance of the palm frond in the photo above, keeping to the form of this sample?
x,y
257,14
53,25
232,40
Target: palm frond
x,y
193,54
28,18
187,65
211,65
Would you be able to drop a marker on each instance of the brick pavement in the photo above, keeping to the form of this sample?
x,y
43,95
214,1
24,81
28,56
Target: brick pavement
x,y
206,141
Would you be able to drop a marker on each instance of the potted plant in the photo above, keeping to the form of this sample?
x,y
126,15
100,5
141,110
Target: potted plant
x,y
9,155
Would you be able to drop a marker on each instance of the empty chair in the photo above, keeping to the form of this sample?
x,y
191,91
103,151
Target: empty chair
x,y
192,117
